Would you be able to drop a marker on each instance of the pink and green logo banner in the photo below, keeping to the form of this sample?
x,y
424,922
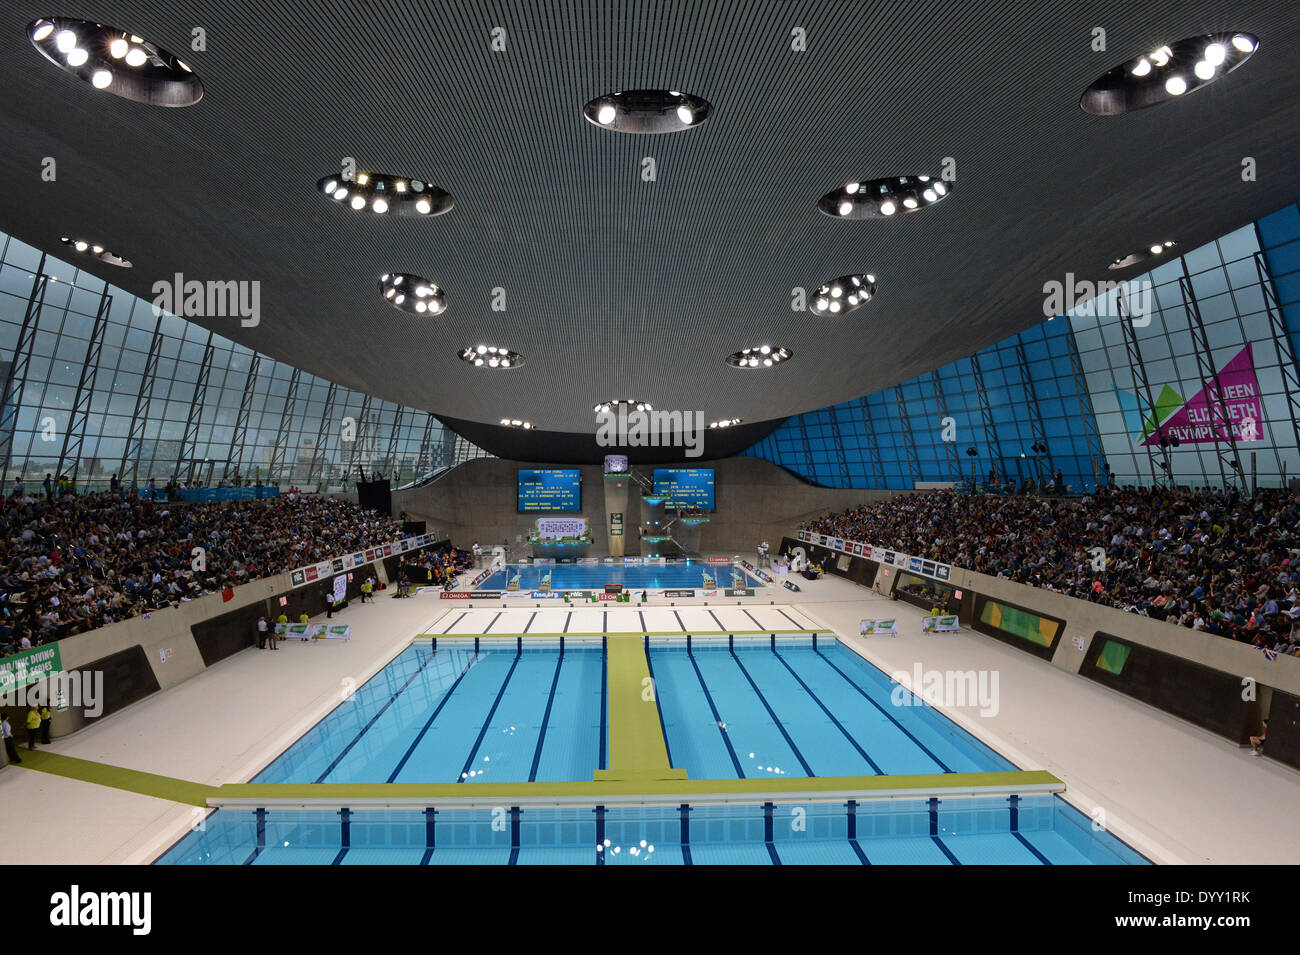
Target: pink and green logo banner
x,y
1228,407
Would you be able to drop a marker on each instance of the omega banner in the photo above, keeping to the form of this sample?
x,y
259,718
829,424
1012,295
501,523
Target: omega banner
x,y
552,528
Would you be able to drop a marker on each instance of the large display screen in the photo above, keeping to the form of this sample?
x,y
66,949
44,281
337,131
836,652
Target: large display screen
x,y
551,490
690,487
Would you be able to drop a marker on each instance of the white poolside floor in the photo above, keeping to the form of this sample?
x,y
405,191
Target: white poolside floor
x,y
1174,791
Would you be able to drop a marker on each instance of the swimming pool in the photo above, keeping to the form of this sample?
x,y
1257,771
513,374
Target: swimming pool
x,y
689,574
528,711
1006,830
730,708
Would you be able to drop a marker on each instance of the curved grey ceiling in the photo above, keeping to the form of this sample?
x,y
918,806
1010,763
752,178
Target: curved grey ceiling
x,y
616,286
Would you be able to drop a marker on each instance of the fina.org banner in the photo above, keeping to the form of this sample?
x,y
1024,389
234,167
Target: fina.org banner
x,y
29,666
915,565
337,565
942,624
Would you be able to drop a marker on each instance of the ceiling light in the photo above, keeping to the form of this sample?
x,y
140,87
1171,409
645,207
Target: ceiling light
x,y
95,251
427,296
725,423
1143,255
647,111
775,356
629,404
1171,70
388,195
501,358
516,423
99,54
879,198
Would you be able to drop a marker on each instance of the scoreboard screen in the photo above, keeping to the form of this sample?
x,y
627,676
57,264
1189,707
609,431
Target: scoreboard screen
x,y
691,487
551,490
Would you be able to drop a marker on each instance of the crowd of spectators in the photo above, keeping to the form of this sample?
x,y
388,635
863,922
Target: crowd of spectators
x,y
71,562
1202,558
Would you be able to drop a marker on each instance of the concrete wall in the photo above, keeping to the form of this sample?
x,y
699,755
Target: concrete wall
x,y
755,500
1084,619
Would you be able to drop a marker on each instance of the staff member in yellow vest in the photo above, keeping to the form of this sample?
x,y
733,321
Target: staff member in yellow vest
x,y
33,725
46,716
366,590
304,620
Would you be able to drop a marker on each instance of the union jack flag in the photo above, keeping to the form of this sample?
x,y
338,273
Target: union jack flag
x,y
1268,653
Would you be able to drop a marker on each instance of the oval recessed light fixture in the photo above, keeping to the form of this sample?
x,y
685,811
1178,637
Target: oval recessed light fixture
x,y
883,198
630,404
647,111
412,293
844,294
760,356
516,423
1168,71
116,61
491,356
385,195
95,251
725,423
1154,250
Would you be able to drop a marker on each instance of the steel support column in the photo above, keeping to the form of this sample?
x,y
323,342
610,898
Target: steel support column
x,y
12,397
877,463
128,470
1036,427
318,453
1096,453
986,415
1209,378
909,439
1286,362
189,444
239,437
75,435
424,459
286,426
840,457
362,434
950,447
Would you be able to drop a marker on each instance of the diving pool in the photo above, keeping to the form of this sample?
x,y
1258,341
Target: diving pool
x,y
688,574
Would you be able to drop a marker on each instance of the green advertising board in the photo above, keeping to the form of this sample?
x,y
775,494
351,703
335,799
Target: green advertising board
x,y
615,524
29,666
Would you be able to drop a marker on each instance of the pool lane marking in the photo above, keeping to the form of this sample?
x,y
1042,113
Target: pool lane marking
x,y
1028,845
716,620
772,713
791,619
456,621
604,699
838,725
546,719
654,688
438,709
567,618
641,616
637,747
852,807
530,621
493,621
755,619
717,720
362,732
679,621
487,720
870,699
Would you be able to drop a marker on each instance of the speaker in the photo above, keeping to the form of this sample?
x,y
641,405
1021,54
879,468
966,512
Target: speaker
x,y
376,496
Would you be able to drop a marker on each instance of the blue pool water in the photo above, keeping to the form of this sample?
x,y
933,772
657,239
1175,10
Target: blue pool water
x,y
505,714
477,710
1025,830
595,576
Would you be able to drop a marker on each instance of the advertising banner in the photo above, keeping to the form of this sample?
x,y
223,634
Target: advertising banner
x,y
790,586
943,624
340,632
881,626
29,666
679,593
738,592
